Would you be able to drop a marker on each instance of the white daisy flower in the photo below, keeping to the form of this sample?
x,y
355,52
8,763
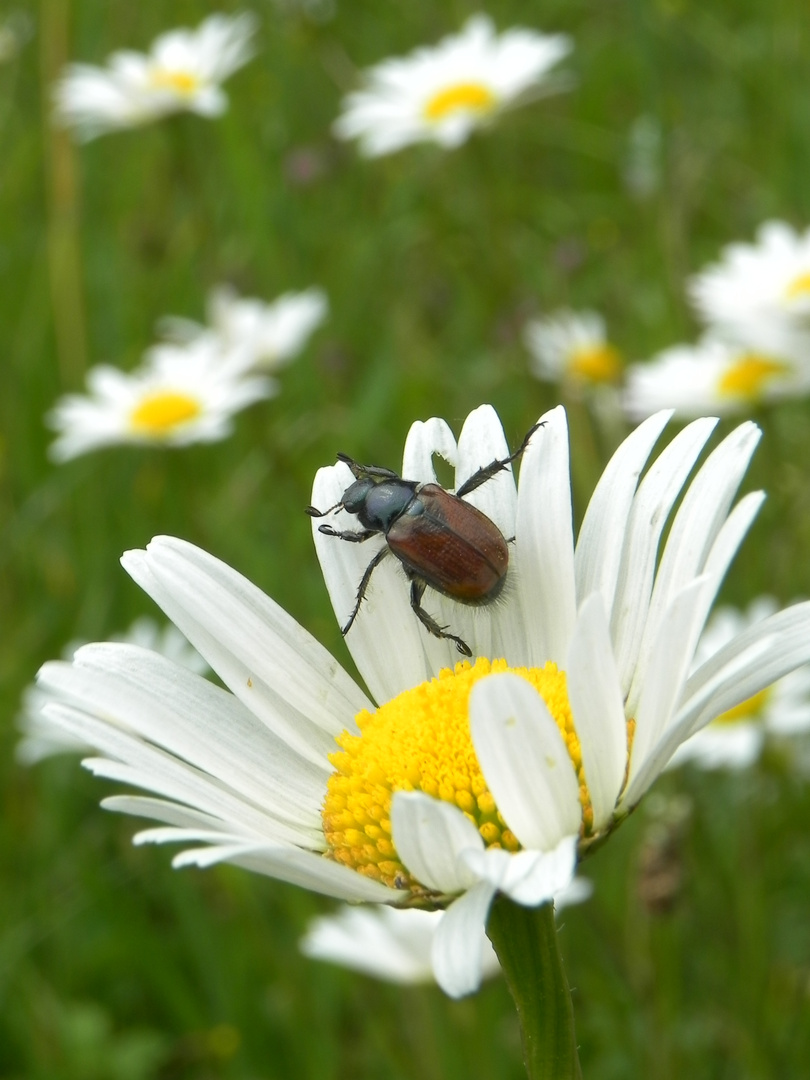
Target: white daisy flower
x,y
182,72
441,93
179,395
268,335
462,782
737,737
41,738
759,294
713,375
395,945
572,347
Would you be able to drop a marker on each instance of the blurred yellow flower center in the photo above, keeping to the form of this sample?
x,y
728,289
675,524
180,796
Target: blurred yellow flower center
x,y
595,363
749,376
181,82
462,97
750,709
799,288
157,413
420,741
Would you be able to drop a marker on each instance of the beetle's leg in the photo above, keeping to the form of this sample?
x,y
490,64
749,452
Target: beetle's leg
x,y
352,537
429,623
364,580
359,471
482,475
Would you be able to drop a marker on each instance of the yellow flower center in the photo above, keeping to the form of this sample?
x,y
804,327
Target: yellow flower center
x,y
420,741
750,709
749,376
181,82
799,288
461,97
595,363
156,414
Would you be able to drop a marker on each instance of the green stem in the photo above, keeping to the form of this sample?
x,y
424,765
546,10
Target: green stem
x,y
525,940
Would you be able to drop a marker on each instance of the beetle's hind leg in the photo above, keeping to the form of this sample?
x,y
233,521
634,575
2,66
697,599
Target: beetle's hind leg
x,y
482,475
417,592
364,580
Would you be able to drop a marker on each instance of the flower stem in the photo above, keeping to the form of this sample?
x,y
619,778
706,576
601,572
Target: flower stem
x,y
525,940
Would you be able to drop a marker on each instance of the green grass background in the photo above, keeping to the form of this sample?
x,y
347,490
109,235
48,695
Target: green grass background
x,y
115,967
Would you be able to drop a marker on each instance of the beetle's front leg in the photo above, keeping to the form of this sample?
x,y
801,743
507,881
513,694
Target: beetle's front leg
x,y
429,623
364,580
352,537
480,476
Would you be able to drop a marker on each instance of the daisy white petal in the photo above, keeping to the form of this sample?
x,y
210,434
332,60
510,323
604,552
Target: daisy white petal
x,y
177,397
544,534
759,293
572,347
601,537
182,72
442,94
715,376
457,955
653,501
429,836
265,336
598,708
525,761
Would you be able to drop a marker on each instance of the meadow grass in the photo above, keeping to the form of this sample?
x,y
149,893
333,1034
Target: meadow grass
x,y
687,126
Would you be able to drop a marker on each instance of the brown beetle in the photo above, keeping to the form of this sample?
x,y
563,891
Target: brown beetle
x,y
441,541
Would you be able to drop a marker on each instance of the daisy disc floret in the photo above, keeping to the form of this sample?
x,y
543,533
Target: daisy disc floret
x,y
759,293
451,782
442,93
182,72
179,395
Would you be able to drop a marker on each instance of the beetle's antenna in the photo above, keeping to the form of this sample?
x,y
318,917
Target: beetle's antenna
x,y
314,512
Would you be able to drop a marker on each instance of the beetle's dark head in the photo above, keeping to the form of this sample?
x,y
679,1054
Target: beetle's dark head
x,y
354,497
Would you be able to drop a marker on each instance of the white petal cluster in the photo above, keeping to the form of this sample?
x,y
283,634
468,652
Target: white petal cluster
x,y
736,741
41,738
397,946
440,94
267,336
241,774
182,72
759,294
755,306
179,395
713,375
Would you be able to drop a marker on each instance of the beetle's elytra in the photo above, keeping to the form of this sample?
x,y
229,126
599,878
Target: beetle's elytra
x,y
442,542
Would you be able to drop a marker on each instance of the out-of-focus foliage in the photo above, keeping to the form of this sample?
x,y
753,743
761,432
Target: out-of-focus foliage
x,y
687,126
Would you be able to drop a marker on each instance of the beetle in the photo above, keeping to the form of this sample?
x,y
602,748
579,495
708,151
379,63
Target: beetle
x,y
441,541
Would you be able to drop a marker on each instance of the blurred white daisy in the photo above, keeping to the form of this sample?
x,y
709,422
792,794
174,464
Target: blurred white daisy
x,y
572,347
712,375
182,72
395,945
441,93
759,294
267,335
41,738
736,738
179,395
462,781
